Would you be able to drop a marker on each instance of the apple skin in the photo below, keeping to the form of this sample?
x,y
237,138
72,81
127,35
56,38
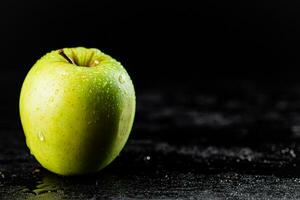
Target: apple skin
x,y
77,119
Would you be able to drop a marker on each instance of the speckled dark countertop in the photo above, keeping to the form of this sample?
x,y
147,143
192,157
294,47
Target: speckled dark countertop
x,y
235,141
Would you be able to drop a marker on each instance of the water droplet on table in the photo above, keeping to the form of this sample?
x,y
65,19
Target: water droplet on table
x,y
2,175
147,158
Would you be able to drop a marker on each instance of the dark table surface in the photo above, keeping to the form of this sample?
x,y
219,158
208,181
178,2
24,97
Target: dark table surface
x,y
233,140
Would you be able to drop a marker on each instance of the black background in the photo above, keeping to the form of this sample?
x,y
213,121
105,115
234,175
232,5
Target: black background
x,y
159,42
163,40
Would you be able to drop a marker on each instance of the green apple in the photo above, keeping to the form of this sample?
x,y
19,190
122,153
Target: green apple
x,y
77,107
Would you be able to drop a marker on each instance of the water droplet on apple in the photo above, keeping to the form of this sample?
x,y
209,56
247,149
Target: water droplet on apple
x,y
96,62
64,73
41,136
51,99
121,79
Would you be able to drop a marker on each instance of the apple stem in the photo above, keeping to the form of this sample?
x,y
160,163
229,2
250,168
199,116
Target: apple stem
x,y
63,54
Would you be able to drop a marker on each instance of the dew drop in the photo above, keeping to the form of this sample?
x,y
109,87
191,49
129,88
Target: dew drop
x,y
2,175
41,136
64,73
147,158
96,62
121,79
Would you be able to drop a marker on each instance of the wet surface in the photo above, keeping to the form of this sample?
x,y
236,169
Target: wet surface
x,y
231,141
